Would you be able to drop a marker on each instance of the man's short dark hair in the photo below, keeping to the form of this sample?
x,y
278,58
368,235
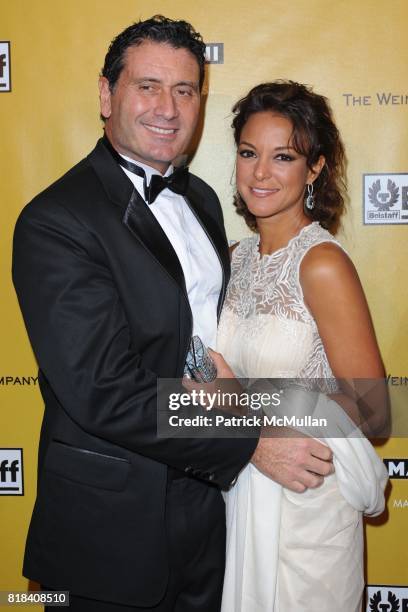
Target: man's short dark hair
x,y
178,34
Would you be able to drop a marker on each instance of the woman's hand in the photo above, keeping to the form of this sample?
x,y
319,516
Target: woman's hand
x,y
219,385
223,369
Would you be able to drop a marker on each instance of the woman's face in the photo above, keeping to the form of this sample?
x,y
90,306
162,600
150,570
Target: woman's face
x,y
271,175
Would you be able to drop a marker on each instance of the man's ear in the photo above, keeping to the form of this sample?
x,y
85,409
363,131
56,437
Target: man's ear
x,y
316,169
104,97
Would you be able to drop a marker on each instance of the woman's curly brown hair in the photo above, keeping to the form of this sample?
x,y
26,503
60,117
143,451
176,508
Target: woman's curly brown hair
x,y
314,134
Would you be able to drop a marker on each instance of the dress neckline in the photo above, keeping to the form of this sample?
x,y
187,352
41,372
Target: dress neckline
x,y
268,256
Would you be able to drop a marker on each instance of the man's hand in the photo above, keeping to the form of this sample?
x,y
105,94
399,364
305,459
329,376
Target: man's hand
x,y
296,463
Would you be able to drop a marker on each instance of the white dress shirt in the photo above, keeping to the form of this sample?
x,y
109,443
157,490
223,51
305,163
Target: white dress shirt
x,y
198,258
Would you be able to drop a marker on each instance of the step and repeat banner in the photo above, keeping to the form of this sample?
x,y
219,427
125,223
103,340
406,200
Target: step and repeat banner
x,y
354,53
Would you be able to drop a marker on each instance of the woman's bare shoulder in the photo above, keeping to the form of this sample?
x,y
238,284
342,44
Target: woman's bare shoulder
x,y
325,262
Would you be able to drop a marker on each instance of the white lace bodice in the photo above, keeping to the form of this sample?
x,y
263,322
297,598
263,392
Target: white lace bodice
x,y
266,329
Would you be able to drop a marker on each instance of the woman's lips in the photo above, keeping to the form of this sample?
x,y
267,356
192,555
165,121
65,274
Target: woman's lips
x,y
262,193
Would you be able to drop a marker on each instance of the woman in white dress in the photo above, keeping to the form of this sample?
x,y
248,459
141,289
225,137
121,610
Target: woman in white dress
x,y
295,309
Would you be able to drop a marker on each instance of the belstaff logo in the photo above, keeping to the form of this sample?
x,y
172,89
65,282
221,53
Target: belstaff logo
x,y
377,605
214,53
5,78
387,599
385,199
11,471
397,468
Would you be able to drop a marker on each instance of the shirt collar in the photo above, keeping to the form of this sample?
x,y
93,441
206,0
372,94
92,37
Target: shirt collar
x,y
149,171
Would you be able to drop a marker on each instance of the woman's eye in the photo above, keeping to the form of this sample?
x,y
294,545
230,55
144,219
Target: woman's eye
x,y
245,153
284,157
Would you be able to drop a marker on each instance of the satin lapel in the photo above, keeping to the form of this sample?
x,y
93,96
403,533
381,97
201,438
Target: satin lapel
x,y
138,218
116,184
143,224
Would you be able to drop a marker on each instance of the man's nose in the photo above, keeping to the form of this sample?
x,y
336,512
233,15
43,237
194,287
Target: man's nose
x,y
166,105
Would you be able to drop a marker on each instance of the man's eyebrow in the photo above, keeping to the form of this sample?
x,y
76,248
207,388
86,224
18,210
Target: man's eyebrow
x,y
192,84
146,79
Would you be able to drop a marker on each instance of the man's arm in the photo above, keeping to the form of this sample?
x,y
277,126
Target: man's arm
x,y
81,339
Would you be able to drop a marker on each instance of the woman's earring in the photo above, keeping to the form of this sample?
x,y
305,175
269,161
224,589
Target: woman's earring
x,y
310,203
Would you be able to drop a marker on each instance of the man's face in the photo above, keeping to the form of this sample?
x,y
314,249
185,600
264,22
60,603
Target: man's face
x,y
152,113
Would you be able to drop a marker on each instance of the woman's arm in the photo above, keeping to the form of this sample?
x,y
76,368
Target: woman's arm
x,y
335,298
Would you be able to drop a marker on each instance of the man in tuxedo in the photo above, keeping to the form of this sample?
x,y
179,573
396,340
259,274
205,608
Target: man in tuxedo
x,y
116,266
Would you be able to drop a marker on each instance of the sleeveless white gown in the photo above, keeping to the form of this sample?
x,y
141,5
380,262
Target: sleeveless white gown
x,y
290,552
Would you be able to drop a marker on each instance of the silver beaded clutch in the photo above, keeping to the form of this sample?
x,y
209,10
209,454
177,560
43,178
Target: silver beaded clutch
x,y
199,364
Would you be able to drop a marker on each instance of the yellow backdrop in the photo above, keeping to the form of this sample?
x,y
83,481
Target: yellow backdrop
x,y
352,52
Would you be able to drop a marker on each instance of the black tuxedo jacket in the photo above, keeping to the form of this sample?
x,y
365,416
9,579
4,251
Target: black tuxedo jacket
x,y
104,302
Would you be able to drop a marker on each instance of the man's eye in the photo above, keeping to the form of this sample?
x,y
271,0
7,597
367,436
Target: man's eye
x,y
146,87
184,92
246,153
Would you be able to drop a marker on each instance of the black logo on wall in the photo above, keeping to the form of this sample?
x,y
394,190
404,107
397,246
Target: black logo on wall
x,y
11,471
387,599
397,468
214,53
377,604
385,198
5,72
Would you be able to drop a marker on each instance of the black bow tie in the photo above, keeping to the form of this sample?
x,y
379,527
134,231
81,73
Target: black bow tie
x,y
176,182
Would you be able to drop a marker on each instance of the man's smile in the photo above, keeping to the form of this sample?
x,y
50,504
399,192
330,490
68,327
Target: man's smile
x,y
160,130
